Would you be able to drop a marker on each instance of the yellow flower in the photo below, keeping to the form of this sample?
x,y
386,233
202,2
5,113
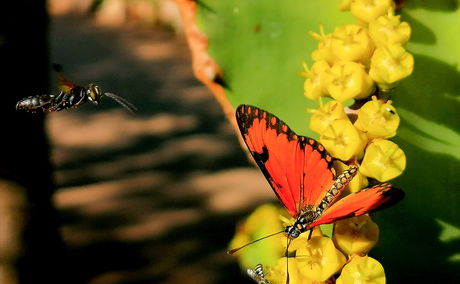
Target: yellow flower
x,y
357,235
357,183
277,274
378,119
352,43
349,80
318,259
303,238
262,222
367,10
342,140
390,64
388,29
317,80
383,160
323,51
345,5
323,115
362,270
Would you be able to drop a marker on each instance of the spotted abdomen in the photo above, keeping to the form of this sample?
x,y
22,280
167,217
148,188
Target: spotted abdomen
x,y
339,185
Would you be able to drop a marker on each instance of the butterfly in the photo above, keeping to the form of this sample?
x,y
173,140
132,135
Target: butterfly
x,y
301,173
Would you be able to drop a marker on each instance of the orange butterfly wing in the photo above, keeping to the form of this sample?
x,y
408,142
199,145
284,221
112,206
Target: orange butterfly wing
x,y
356,204
298,168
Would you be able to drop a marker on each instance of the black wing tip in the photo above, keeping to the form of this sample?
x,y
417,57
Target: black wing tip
x,y
244,108
245,115
392,195
240,110
395,194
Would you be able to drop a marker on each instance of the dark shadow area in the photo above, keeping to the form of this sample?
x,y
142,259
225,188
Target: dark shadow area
x,y
437,5
24,151
417,249
145,210
438,90
420,33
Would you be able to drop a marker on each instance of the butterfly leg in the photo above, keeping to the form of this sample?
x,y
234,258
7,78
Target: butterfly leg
x,y
310,232
288,242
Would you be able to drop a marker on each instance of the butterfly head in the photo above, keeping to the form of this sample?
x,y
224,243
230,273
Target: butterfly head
x,y
301,223
293,231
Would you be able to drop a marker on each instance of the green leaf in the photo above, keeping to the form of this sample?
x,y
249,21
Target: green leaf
x,y
260,47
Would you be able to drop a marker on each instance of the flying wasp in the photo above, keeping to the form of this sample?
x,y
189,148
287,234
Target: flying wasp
x,y
70,96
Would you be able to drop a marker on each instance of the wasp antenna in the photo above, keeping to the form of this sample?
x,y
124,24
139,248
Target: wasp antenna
x,y
232,251
122,101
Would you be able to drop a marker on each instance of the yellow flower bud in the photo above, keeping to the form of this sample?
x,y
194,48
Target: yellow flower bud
x,y
342,140
352,43
388,29
383,160
318,259
317,80
362,270
349,80
377,119
277,274
367,10
303,238
323,51
357,183
357,235
345,5
390,64
323,115
262,222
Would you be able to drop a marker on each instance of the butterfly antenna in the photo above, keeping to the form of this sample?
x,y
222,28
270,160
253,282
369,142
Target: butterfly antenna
x,y
232,251
123,102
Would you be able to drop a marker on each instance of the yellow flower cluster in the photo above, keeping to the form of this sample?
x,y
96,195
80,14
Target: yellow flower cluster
x,y
352,60
362,141
359,61
318,259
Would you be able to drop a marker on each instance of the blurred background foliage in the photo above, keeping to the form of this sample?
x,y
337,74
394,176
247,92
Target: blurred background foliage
x,y
259,47
95,195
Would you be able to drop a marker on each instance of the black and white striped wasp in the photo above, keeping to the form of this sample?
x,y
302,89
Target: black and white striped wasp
x,y
70,96
257,274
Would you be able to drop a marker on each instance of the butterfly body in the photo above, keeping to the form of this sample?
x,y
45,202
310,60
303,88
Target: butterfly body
x,y
301,173
310,213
